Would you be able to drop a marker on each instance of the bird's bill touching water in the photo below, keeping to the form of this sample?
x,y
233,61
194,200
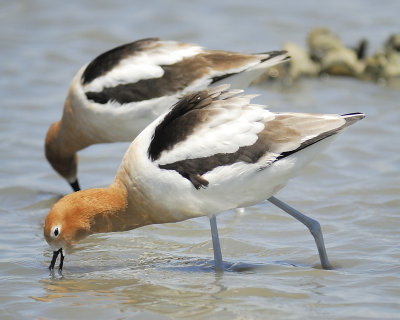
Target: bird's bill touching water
x,y
54,259
75,185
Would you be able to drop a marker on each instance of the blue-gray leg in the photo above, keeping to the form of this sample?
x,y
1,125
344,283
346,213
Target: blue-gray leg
x,y
311,224
216,244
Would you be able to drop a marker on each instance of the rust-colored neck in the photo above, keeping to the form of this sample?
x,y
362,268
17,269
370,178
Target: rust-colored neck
x,y
64,138
113,210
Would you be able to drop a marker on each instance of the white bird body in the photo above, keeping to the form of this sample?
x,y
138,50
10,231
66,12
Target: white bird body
x,y
211,152
234,123
237,186
114,97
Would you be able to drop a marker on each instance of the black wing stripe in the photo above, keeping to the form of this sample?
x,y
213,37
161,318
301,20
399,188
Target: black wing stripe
x,y
109,59
138,91
179,123
176,78
193,169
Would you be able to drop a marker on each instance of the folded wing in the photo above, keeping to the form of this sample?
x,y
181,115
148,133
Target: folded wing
x,y
217,127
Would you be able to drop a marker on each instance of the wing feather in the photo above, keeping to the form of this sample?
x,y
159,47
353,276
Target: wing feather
x,y
214,128
152,68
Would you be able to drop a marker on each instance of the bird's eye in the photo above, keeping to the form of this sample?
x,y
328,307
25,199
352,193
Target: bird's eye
x,y
55,232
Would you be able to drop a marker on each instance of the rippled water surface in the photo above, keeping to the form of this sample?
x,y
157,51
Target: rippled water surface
x,y
165,271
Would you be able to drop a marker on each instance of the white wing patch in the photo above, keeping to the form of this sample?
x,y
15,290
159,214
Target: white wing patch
x,y
235,124
144,65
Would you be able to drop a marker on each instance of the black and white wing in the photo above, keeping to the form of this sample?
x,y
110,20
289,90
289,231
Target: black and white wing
x,y
218,127
152,68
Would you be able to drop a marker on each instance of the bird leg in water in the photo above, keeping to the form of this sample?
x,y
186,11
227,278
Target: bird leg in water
x,y
216,244
312,225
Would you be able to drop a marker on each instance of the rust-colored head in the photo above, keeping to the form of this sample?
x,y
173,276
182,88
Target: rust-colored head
x,y
82,213
67,223
60,156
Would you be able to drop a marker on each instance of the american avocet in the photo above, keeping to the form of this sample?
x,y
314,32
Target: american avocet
x,y
120,92
213,151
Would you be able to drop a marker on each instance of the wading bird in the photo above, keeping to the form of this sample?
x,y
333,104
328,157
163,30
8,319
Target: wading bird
x,y
120,92
213,151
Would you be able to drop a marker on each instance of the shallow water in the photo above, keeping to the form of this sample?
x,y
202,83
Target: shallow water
x,y
165,272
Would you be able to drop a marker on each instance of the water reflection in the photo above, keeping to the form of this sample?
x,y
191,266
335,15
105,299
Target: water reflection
x,y
178,287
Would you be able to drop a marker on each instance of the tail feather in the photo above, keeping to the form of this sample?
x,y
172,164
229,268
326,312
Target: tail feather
x,y
244,78
282,54
352,117
272,58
